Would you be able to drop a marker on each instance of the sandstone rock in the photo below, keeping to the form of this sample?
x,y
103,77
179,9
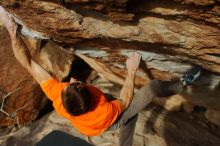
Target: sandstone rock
x,y
173,103
179,40
177,128
172,36
188,106
203,94
21,105
213,116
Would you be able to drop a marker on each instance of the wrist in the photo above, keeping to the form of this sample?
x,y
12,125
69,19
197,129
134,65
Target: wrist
x,y
132,71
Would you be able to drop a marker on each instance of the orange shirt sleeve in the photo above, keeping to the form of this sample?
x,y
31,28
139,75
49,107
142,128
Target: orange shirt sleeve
x,y
117,107
53,88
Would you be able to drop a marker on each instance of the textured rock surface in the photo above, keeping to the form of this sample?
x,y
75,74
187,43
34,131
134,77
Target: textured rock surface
x,y
30,135
21,105
181,33
110,138
171,35
213,116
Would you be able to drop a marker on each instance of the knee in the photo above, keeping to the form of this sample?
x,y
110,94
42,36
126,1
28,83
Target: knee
x,y
155,85
166,88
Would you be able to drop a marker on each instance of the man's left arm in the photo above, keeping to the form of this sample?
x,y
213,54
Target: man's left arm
x,y
22,54
127,90
20,50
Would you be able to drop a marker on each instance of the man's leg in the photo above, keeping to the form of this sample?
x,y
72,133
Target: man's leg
x,y
140,100
144,96
127,132
147,93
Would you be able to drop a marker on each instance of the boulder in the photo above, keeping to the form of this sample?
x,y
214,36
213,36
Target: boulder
x,y
172,36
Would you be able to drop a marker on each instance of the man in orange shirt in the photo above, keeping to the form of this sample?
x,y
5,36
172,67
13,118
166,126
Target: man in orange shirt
x,y
88,109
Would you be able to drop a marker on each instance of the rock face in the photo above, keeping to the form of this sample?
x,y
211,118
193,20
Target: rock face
x,y
20,106
175,32
172,37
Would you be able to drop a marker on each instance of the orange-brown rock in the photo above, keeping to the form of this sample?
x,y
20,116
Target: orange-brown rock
x,y
22,106
179,32
172,37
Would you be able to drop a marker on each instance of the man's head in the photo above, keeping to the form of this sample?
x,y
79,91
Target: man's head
x,y
76,98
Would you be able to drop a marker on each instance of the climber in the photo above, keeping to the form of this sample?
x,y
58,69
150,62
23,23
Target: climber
x,y
86,106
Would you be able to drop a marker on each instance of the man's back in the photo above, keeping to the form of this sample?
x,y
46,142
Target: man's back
x,y
101,116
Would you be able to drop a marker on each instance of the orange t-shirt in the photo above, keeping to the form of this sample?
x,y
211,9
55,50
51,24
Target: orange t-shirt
x,y
91,123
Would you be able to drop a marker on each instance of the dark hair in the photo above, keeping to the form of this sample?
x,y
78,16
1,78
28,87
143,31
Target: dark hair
x,y
76,99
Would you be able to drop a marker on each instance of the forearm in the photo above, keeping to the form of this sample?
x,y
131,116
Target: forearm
x,y
21,52
128,89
